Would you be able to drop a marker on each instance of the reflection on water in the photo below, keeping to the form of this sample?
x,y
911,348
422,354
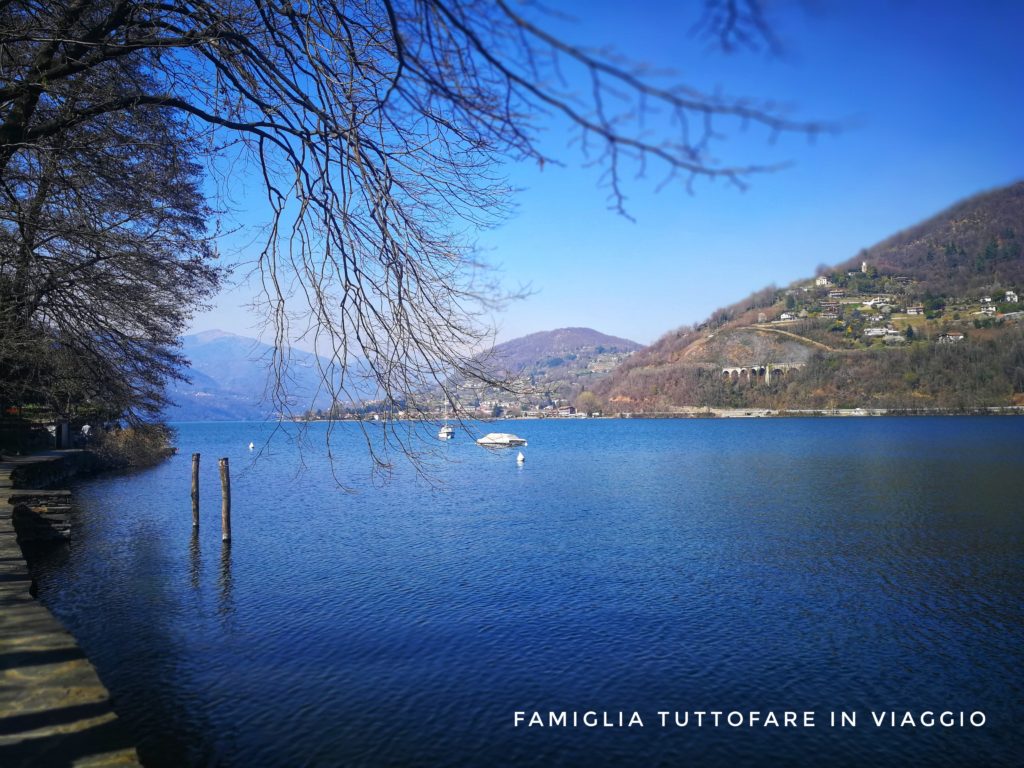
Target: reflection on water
x,y
195,559
857,565
225,604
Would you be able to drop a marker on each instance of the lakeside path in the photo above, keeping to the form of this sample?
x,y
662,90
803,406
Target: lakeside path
x,y
54,711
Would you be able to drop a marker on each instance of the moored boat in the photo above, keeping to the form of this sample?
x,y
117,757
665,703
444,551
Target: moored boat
x,y
500,440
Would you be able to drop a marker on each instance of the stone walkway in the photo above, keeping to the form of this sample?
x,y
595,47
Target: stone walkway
x,y
54,711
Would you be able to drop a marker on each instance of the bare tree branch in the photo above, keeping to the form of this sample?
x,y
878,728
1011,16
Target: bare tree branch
x,y
379,129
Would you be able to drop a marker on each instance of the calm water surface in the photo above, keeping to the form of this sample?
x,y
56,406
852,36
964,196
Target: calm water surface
x,y
858,565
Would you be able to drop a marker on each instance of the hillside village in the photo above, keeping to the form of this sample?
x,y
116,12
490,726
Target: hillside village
x,y
865,308
546,375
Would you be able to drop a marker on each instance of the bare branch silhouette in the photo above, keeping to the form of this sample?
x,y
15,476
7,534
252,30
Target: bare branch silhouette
x,y
377,130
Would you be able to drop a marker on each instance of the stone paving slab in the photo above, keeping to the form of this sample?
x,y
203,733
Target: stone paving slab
x,y
54,711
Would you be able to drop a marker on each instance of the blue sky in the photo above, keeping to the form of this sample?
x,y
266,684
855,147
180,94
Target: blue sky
x,y
932,95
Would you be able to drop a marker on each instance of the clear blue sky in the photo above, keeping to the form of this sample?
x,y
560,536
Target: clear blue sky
x,y
933,92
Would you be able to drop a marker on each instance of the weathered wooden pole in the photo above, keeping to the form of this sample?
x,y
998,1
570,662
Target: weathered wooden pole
x,y
195,490
225,507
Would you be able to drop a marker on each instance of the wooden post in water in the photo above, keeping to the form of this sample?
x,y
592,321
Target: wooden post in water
x,y
225,507
195,490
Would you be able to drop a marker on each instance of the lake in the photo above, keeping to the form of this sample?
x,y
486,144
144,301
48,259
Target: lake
x,y
628,566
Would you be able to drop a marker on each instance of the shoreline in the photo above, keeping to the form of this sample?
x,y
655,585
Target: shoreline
x,y
692,412
700,412
54,710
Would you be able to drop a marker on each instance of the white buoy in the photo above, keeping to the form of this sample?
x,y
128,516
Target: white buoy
x,y
520,458
251,445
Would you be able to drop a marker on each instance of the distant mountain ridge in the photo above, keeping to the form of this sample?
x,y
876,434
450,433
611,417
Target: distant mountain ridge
x,y
230,379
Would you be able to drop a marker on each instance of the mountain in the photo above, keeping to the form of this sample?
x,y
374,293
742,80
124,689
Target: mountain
x,y
971,246
557,364
230,377
561,347
929,318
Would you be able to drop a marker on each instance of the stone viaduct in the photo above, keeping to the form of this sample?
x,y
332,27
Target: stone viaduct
x,y
759,371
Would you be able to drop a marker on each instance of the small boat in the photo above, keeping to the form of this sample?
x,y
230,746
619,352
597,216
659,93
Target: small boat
x,y
500,440
520,458
446,432
251,445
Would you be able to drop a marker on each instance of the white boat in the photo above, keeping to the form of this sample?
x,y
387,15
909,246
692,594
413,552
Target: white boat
x,y
500,440
447,431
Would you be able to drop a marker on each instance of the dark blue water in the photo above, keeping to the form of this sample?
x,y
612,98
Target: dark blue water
x,y
823,565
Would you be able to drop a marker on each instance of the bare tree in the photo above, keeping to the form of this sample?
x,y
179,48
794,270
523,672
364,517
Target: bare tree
x,y
103,256
377,129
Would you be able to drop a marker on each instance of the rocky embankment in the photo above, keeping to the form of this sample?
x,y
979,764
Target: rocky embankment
x,y
54,711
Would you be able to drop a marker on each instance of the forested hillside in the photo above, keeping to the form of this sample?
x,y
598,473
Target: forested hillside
x,y
967,248
929,318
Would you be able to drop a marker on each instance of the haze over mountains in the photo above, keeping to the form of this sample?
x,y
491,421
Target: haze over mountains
x,y
230,379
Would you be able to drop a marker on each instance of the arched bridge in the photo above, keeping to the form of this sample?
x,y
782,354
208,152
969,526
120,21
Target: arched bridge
x,y
760,371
